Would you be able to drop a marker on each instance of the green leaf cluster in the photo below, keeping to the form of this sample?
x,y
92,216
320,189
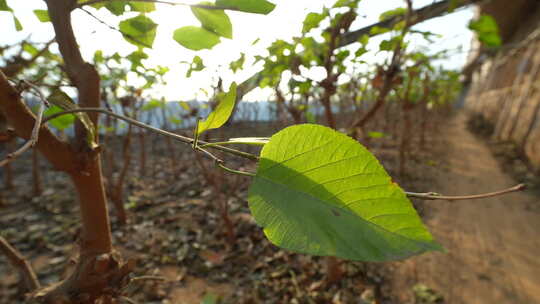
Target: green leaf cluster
x,y
215,23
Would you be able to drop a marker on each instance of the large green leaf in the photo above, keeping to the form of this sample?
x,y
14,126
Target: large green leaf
x,y
319,192
214,20
222,112
195,38
139,30
248,6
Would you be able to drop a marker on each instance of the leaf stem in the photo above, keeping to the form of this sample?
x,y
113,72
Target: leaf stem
x,y
235,171
436,196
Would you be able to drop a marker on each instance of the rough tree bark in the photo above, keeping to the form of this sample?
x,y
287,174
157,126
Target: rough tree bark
x,y
99,271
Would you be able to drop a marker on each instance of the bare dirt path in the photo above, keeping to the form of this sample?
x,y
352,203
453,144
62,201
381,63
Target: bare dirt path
x,y
493,244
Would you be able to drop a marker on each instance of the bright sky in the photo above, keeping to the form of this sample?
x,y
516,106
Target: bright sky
x,y
283,23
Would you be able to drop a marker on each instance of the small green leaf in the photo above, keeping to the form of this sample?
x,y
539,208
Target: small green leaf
x,y
61,122
18,25
139,31
487,30
249,6
185,105
238,64
30,49
346,3
222,112
364,39
62,100
195,66
98,57
142,7
195,38
386,45
319,192
400,11
375,134
312,21
390,44
215,21
136,59
152,104
117,8
377,30
175,120
4,6
42,15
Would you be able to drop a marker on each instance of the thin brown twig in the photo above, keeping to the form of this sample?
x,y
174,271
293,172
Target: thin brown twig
x,y
19,262
148,278
139,124
35,131
436,196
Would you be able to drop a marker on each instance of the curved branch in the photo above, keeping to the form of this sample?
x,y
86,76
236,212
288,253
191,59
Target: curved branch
x,y
17,260
431,11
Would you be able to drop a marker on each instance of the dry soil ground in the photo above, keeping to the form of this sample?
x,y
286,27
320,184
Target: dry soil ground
x,y
493,245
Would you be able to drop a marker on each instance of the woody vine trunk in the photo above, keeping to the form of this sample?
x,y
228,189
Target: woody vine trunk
x,y
99,273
